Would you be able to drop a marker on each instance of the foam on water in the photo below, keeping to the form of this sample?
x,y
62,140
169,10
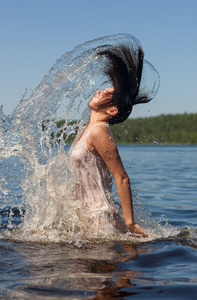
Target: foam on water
x,y
35,169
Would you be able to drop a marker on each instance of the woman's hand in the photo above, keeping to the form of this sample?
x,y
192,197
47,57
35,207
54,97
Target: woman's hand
x,y
137,230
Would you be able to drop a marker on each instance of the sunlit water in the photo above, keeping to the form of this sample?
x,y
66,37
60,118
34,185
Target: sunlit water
x,y
46,249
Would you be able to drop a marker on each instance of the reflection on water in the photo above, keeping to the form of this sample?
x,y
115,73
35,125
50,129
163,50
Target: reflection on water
x,y
97,271
68,270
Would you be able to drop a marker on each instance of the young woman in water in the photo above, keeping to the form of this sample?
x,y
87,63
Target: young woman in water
x,y
94,153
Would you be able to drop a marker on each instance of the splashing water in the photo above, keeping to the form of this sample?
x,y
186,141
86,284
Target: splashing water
x,y
36,182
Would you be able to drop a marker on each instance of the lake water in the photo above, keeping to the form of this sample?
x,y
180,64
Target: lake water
x,y
165,180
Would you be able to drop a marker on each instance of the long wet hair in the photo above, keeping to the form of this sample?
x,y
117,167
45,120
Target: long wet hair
x,y
124,69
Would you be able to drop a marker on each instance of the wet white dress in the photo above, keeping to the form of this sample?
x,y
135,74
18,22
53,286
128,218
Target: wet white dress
x,y
94,187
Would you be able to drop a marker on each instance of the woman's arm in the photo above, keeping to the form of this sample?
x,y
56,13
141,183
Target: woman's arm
x,y
100,142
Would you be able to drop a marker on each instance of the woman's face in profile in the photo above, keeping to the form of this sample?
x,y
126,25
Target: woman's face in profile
x,y
101,99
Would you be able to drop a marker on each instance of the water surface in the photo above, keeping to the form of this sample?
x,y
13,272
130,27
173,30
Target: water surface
x,y
165,180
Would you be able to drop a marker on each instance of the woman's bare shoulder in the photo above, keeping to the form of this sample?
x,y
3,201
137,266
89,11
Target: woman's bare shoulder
x,y
102,140
101,131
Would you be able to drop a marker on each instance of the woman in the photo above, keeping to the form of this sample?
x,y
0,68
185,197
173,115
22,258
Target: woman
x,y
94,152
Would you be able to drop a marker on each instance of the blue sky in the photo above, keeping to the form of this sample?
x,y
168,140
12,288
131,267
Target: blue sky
x,y
34,33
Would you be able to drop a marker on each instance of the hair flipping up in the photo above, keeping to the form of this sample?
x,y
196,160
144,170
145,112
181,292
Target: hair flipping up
x,y
124,69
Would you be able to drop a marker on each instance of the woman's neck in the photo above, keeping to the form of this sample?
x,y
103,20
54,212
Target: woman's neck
x,y
95,117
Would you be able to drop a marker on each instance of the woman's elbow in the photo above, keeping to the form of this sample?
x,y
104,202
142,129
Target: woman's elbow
x,y
123,180
126,180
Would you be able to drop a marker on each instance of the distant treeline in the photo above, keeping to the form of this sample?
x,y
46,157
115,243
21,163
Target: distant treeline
x,y
163,129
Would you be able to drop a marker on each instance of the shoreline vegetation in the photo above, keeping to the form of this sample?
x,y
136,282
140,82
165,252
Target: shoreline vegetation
x,y
162,130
